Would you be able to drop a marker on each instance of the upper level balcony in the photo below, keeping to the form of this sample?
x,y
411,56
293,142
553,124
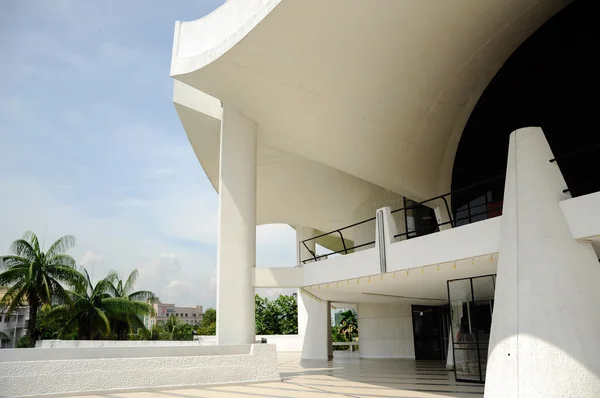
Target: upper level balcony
x,y
441,231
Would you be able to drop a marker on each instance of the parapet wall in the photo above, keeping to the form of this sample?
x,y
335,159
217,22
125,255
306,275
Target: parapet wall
x,y
57,371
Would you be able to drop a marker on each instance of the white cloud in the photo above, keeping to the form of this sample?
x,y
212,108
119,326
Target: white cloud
x,y
90,259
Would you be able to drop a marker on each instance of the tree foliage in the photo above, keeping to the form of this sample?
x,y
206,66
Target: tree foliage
x,y
208,326
279,316
130,322
349,324
93,308
35,277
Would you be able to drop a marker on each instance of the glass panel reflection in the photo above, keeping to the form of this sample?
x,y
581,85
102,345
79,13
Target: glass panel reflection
x,y
471,303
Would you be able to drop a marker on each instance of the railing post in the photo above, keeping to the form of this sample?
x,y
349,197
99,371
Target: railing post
x,y
343,241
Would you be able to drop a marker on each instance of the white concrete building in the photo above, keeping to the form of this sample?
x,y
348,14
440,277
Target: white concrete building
x,y
163,311
13,325
443,153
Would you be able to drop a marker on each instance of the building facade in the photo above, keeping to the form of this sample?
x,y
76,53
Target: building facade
x,y
438,162
13,325
163,311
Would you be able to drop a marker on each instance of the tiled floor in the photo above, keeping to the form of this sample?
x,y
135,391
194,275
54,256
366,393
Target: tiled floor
x,y
345,376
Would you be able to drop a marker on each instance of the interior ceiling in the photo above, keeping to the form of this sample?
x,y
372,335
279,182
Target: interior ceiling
x,y
425,286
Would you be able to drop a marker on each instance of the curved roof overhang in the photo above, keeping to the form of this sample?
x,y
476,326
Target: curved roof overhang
x,y
290,189
377,91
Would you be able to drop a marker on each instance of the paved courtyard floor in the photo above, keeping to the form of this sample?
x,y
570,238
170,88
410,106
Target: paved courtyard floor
x,y
345,376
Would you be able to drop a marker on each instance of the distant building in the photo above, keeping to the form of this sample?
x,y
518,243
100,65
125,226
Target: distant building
x,y
14,325
162,311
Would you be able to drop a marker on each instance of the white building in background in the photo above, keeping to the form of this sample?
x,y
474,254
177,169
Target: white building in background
x,y
441,155
14,324
163,311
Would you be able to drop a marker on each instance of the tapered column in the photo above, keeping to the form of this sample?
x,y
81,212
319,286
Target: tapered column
x,y
546,323
236,254
312,326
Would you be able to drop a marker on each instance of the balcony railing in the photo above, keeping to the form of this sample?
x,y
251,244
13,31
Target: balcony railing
x,y
480,207
347,245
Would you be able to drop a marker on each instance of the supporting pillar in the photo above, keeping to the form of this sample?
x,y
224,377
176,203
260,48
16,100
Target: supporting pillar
x,y
546,323
312,326
236,255
329,337
303,233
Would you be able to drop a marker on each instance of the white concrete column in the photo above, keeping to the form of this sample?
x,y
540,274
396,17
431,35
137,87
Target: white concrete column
x,y
303,233
312,326
546,323
236,253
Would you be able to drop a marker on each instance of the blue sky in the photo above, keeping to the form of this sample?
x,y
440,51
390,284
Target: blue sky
x,y
91,145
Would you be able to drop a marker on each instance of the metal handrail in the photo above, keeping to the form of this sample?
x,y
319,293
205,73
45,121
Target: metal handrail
x,y
415,206
316,258
452,222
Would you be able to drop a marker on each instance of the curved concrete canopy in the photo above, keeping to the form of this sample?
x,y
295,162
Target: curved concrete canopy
x,y
379,90
290,189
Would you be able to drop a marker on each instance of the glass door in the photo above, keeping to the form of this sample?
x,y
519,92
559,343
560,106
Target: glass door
x,y
471,305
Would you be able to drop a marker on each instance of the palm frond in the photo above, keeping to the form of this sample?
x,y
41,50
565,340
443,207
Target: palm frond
x,y
47,297
33,240
62,259
102,287
87,278
68,275
106,323
60,311
13,261
8,277
112,277
62,245
22,248
131,280
59,293
120,307
15,296
142,295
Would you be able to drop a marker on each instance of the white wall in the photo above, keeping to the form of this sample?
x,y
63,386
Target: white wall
x,y
480,238
111,343
582,215
467,241
385,331
283,343
365,262
278,277
32,372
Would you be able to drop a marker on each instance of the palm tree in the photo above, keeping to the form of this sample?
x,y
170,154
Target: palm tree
x,y
93,307
349,324
125,291
35,277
